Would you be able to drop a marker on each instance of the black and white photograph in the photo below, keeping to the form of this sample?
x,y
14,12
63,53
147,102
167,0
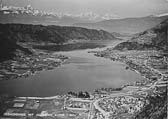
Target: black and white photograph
x,y
83,59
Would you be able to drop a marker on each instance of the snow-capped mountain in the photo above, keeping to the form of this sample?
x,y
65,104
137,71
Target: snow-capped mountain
x,y
23,10
28,14
96,17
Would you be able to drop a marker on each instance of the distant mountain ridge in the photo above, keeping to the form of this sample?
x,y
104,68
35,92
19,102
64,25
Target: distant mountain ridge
x,y
30,15
51,34
13,34
127,25
154,38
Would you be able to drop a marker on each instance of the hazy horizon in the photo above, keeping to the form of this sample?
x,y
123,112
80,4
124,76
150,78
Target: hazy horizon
x,y
116,8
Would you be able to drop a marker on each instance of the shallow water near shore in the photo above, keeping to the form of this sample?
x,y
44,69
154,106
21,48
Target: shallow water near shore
x,y
82,72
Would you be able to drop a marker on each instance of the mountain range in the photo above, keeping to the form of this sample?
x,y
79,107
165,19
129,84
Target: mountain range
x,y
154,38
30,15
11,35
107,22
127,25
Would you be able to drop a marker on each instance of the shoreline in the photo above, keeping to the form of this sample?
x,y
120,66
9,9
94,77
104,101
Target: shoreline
x,y
62,62
32,72
136,93
56,96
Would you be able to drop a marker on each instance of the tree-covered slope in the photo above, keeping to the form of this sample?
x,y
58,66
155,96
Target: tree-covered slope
x,y
12,34
154,38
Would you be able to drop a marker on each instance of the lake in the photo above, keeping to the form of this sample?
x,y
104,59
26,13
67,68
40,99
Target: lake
x,y
82,72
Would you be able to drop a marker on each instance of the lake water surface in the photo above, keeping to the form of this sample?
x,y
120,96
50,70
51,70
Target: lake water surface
x,y
82,72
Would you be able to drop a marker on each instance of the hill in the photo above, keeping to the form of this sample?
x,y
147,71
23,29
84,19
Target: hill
x,y
154,38
9,47
51,34
127,25
13,34
157,108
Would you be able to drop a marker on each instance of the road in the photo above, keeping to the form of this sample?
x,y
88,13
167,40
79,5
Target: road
x,y
106,114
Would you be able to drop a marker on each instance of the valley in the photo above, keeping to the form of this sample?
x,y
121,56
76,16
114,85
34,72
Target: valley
x,y
105,60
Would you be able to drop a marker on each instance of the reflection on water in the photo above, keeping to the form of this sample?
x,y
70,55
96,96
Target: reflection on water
x,y
83,72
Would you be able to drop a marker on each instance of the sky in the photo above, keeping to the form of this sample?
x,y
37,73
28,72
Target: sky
x,y
121,8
